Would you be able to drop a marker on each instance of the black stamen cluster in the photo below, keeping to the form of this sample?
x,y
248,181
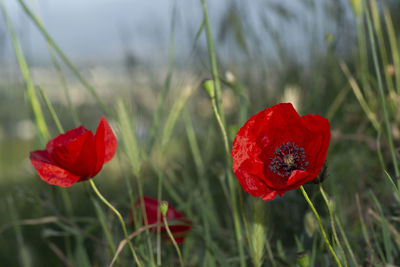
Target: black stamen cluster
x,y
280,163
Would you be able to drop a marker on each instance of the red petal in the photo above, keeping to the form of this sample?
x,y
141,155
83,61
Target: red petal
x,y
110,141
99,143
178,225
253,184
49,172
280,123
66,138
318,145
78,156
245,146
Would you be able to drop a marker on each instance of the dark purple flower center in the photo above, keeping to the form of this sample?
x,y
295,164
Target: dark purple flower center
x,y
287,158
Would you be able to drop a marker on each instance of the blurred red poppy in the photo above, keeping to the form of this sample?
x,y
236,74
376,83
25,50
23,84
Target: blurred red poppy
x,y
177,223
276,150
76,155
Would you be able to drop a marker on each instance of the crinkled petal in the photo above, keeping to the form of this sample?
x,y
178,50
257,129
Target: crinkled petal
x,y
78,156
66,138
49,172
317,146
253,184
110,141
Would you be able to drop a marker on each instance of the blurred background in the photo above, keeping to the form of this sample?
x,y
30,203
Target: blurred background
x,y
153,54
126,47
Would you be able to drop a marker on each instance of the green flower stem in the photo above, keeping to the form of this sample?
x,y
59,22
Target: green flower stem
x,y
178,251
346,242
235,212
102,198
320,225
213,61
331,216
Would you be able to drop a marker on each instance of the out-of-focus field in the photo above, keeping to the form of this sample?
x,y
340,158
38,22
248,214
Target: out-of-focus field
x,y
317,55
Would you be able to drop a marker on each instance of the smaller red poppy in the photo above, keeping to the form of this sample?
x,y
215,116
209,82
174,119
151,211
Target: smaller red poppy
x,y
177,223
76,155
276,150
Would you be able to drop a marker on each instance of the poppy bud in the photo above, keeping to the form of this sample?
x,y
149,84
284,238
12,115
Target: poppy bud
x,y
209,87
164,207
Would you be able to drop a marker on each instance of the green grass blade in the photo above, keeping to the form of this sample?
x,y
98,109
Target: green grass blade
x,y
25,259
44,133
364,230
393,45
174,115
387,242
382,98
167,83
357,92
376,20
51,110
129,138
103,222
133,151
346,241
66,60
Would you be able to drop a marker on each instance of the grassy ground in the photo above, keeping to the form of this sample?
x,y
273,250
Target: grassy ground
x,y
171,148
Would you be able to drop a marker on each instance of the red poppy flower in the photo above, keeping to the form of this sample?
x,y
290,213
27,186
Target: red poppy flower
x,y
76,155
177,223
276,150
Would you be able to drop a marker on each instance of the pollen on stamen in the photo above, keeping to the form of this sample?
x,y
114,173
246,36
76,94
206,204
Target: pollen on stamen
x,y
287,158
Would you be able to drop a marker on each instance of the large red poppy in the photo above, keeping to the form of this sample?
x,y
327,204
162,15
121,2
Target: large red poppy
x,y
276,150
76,155
177,223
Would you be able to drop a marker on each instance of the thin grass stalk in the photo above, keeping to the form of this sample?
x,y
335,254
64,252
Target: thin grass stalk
x,y
178,251
208,198
382,98
346,241
159,197
41,125
363,54
167,83
51,110
269,253
337,102
381,44
61,76
121,220
200,168
22,250
357,92
320,225
102,219
332,221
364,229
387,242
66,60
213,62
393,45
74,114
133,152
231,184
